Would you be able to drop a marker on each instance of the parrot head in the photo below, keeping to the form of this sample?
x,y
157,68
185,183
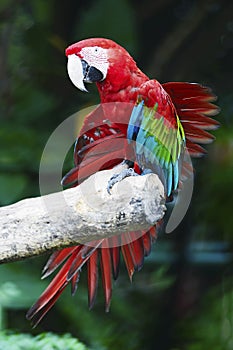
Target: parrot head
x,y
101,61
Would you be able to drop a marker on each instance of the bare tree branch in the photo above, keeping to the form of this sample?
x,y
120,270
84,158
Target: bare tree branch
x,y
80,215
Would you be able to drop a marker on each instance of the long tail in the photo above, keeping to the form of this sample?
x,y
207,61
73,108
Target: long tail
x,y
107,252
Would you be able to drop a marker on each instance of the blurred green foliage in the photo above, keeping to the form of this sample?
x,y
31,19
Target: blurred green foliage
x,y
175,303
45,341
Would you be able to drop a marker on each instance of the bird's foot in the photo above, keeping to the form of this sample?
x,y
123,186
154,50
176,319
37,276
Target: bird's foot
x,y
119,177
147,171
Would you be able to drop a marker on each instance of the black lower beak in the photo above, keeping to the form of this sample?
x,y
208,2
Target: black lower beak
x,y
90,73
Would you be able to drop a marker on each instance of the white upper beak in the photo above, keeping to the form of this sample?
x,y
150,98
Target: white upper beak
x,y
75,71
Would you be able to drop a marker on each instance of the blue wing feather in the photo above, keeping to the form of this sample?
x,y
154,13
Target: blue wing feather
x,y
135,121
156,144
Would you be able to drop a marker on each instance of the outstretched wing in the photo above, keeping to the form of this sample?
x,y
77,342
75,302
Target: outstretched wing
x,y
101,142
159,137
194,106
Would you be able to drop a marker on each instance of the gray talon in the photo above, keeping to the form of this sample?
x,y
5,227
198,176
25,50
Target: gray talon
x,y
119,177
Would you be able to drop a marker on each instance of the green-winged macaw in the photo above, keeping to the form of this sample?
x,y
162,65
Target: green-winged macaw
x,y
156,123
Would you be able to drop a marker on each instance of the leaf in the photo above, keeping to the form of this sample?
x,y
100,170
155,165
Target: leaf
x,y
45,341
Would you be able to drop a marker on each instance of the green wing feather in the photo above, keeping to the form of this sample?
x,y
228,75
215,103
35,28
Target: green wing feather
x,y
157,142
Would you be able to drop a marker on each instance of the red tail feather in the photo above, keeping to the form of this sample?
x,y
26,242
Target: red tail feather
x,y
55,260
153,233
146,243
115,254
39,313
92,272
74,282
106,275
128,260
46,300
137,251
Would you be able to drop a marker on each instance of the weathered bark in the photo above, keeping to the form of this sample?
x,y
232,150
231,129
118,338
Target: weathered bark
x,y
80,215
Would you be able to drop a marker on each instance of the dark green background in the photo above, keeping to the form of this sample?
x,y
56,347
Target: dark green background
x,y
183,297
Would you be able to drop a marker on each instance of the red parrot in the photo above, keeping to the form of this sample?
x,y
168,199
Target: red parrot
x,y
156,123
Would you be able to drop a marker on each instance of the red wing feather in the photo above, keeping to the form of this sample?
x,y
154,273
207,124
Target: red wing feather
x,y
194,108
90,166
97,155
182,90
194,150
195,134
198,120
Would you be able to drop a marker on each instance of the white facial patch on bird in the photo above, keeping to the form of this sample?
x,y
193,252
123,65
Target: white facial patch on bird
x,y
97,57
75,71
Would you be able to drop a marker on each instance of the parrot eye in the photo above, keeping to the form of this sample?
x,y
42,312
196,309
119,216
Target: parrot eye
x,y
95,57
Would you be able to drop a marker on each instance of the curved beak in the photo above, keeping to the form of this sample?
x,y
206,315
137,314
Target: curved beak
x,y
75,71
81,72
